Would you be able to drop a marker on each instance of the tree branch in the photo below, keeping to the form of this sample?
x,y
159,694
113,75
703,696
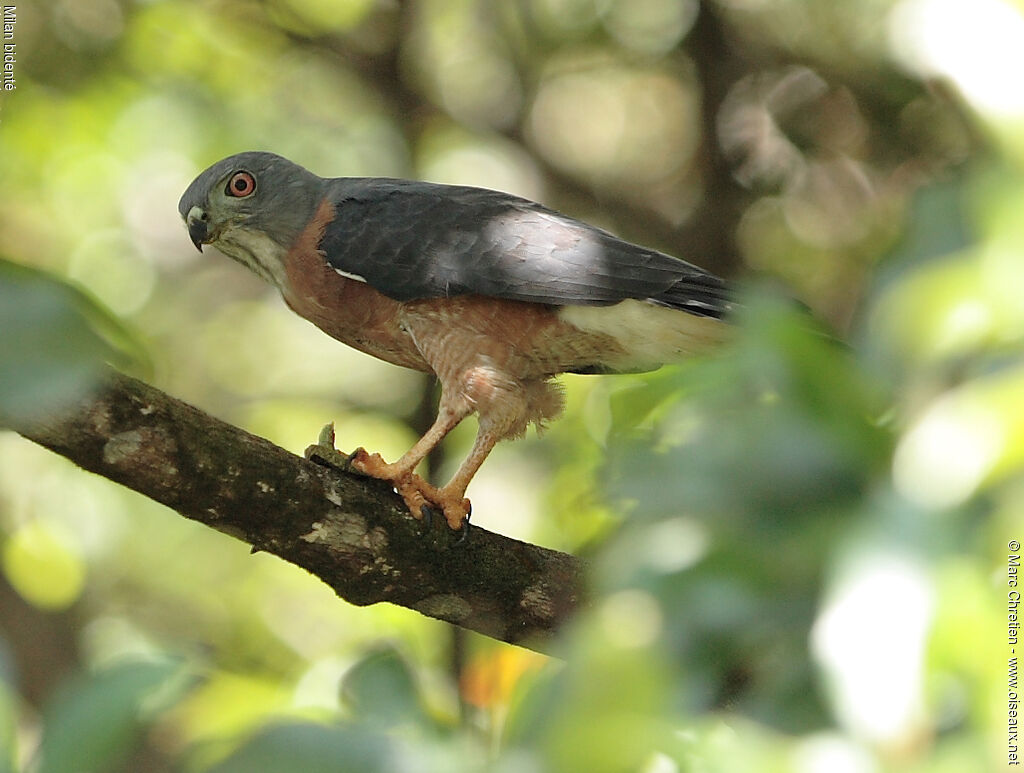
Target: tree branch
x,y
353,533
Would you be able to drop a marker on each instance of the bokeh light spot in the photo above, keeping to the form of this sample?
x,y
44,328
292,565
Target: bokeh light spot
x,y
976,45
41,567
870,641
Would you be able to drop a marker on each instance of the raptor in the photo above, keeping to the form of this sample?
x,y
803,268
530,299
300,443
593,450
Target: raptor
x,y
492,293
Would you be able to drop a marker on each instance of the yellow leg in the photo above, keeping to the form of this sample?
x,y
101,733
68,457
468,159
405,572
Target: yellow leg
x,y
417,493
452,496
374,466
414,490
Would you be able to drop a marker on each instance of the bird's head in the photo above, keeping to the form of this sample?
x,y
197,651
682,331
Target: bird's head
x,y
252,207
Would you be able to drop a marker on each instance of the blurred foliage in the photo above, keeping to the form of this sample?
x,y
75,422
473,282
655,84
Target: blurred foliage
x,y
91,723
56,339
798,545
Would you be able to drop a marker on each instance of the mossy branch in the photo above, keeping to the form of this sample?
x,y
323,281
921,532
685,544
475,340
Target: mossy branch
x,y
351,532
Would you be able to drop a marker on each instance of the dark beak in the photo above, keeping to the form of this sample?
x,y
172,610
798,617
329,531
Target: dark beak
x,y
198,227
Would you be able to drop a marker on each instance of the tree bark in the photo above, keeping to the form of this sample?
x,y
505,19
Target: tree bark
x,y
352,532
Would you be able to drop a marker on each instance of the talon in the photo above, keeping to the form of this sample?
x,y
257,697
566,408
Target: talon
x,y
457,513
463,531
427,516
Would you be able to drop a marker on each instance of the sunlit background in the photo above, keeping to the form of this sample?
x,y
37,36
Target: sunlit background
x,y
798,547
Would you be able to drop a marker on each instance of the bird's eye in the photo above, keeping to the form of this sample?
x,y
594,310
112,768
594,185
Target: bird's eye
x,y
240,185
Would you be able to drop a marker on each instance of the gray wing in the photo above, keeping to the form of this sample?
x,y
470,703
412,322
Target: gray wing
x,y
413,240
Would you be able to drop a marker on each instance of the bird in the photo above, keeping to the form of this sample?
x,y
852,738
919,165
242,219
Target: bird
x,y
493,294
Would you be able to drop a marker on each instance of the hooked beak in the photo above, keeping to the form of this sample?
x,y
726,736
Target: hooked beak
x,y
198,227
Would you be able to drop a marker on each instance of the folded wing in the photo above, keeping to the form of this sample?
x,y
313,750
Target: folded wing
x,y
413,240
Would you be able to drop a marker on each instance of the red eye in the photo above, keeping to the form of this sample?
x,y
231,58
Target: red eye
x,y
241,184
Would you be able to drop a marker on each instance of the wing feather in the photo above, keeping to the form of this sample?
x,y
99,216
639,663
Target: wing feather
x,y
413,240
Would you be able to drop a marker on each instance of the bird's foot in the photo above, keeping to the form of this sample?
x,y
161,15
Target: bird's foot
x,y
463,529
425,500
374,466
422,499
359,461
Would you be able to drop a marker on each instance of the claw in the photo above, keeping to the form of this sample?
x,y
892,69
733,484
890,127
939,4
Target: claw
x,y
463,531
427,517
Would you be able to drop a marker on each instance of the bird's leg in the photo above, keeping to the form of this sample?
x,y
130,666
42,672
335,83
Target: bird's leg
x,y
414,490
375,466
451,497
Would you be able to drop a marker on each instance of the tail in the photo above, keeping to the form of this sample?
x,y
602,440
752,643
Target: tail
x,y
701,294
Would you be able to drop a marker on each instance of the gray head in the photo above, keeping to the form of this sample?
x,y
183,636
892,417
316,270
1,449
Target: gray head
x,y
252,207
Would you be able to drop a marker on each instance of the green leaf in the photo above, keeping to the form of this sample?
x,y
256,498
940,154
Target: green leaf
x,y
93,723
605,710
381,689
55,342
309,748
738,483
